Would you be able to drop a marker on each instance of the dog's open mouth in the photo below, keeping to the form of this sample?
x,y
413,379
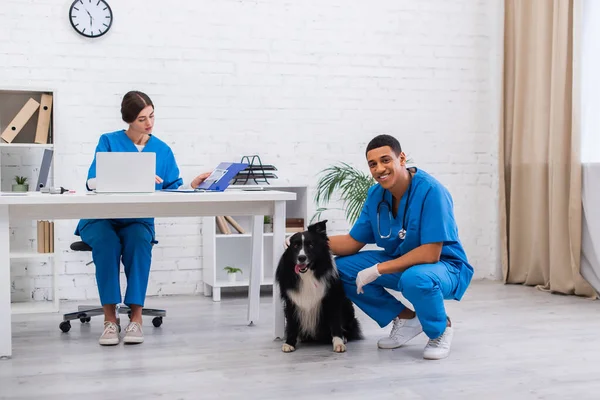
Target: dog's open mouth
x,y
301,268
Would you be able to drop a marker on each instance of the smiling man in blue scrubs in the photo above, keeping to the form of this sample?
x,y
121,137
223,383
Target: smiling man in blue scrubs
x,y
409,214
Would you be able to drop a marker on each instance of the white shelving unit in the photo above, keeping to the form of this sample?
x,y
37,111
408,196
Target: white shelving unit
x,y
22,147
234,250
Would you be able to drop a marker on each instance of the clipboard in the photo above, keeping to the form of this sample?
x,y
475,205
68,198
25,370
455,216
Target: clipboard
x,y
221,177
218,180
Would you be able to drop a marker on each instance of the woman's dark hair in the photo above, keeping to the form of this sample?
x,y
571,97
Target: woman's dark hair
x,y
134,102
384,140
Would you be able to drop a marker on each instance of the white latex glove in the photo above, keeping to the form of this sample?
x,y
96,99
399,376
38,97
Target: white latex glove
x,y
365,277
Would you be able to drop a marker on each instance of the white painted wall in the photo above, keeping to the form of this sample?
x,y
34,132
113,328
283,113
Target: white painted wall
x,y
304,84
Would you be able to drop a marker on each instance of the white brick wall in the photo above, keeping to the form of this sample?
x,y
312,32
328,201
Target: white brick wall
x,y
304,84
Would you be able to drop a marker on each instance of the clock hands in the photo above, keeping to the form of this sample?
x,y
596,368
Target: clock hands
x,y
91,18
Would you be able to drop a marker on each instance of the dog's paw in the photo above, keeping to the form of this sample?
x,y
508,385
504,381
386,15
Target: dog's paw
x,y
338,345
286,348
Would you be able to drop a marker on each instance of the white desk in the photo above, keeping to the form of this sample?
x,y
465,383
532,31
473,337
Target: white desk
x,y
160,204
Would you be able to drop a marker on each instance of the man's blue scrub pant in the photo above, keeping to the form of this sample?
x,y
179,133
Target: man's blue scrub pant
x,y
425,286
111,241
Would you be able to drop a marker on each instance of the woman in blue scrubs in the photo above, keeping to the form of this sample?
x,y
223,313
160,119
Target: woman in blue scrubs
x,y
128,240
409,214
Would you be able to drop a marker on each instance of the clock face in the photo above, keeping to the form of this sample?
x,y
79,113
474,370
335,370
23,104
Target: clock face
x,y
91,18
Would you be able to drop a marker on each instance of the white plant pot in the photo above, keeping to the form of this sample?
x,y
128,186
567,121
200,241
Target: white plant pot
x,y
232,277
268,228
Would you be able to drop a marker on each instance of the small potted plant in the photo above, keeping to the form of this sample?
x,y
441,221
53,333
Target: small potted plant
x,y
268,224
232,273
21,184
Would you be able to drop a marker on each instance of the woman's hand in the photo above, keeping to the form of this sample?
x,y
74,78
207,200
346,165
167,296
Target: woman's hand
x,y
199,179
157,179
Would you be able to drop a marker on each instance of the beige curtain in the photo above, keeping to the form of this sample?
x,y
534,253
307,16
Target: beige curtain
x,y
540,169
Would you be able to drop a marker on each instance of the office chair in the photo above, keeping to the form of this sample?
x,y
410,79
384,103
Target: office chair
x,y
85,313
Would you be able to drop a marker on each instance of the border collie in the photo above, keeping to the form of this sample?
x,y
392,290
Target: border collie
x,y
315,304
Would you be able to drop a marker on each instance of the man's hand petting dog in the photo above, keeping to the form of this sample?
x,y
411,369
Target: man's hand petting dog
x,y
365,277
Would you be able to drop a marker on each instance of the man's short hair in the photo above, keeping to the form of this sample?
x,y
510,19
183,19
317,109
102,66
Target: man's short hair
x,y
384,140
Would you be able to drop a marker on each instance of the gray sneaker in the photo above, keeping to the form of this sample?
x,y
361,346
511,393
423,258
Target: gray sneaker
x,y
133,333
110,336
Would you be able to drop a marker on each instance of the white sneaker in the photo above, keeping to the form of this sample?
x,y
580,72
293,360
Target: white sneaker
x,y
439,348
110,336
133,333
403,330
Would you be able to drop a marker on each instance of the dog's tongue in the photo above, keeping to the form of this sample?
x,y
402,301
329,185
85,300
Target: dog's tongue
x,y
298,268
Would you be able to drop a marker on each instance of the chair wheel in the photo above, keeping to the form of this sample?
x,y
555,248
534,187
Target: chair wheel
x,y
84,320
65,326
157,321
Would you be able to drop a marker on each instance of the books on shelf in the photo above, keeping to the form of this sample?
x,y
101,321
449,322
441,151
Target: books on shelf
x,y
223,224
45,237
292,225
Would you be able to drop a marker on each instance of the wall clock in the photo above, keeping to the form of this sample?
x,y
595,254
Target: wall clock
x,y
90,18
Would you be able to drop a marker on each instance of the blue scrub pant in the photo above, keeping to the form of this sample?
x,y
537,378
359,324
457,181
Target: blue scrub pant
x,y
115,240
425,286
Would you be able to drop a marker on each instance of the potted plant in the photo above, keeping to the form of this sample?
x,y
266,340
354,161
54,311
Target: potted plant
x,y
353,185
268,224
21,184
232,273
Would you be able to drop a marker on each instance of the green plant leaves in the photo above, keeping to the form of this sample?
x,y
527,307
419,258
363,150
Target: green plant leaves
x,y
353,186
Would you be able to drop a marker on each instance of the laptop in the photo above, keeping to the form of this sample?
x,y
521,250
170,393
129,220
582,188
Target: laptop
x,y
125,172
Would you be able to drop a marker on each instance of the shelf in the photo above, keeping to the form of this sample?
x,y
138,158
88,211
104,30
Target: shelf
x,y
33,307
25,145
239,235
246,235
241,283
29,254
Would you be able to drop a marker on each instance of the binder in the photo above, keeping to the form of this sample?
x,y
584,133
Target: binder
x,y
46,237
19,121
221,176
234,223
222,225
40,236
41,133
44,169
51,239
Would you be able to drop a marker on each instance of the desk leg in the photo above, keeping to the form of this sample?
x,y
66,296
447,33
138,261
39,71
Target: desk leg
x,y
5,310
278,243
255,269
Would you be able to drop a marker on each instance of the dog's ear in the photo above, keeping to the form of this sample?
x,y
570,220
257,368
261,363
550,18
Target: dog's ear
x,y
319,227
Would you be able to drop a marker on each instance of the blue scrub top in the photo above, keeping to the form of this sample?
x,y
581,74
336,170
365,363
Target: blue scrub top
x,y
429,219
166,167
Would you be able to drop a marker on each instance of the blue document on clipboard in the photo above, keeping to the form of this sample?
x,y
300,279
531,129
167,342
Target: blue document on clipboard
x,y
221,177
218,180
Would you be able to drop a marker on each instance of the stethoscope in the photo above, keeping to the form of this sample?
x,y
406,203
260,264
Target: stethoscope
x,y
402,232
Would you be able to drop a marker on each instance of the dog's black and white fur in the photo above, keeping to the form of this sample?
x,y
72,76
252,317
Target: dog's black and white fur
x,y
316,306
